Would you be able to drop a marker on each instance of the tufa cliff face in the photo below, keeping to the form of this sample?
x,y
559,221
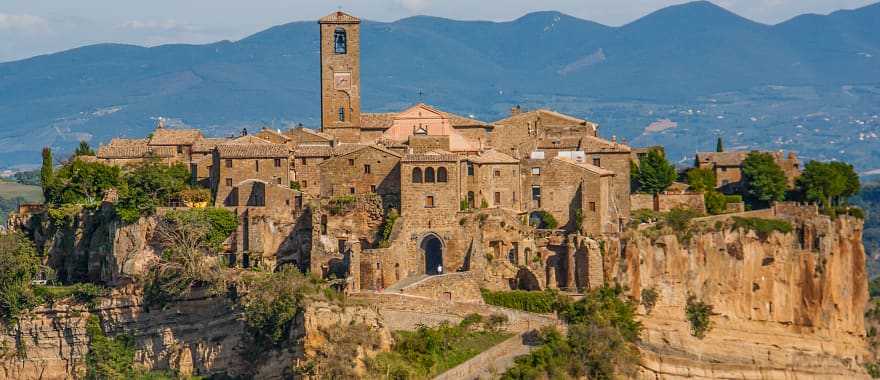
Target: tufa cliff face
x,y
195,336
784,306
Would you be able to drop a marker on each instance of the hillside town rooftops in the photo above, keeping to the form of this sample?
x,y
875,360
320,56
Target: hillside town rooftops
x,y
583,165
168,136
431,156
493,156
734,158
312,151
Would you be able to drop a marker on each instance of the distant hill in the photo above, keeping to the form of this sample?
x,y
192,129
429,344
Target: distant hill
x,y
691,63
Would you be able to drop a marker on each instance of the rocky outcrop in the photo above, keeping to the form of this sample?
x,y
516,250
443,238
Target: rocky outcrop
x,y
784,306
200,335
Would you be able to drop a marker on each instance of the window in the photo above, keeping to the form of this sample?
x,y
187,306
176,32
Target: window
x,y
305,183
592,206
228,163
229,182
497,173
417,175
350,162
536,171
470,169
257,165
179,149
441,174
351,190
366,169
341,114
429,201
497,198
302,161
536,193
277,162
278,180
372,188
323,224
340,41
299,201
597,161
429,175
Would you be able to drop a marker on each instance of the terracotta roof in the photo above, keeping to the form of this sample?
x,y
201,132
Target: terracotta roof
x,y
583,165
249,139
377,120
339,17
133,148
167,136
572,143
432,156
345,149
252,150
734,158
273,132
493,156
290,132
543,111
456,120
592,144
207,144
312,151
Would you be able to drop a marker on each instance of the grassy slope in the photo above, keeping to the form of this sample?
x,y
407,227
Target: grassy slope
x,y
12,190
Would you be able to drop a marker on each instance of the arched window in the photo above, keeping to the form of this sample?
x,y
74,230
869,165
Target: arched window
x,y
340,41
429,175
441,174
341,114
417,175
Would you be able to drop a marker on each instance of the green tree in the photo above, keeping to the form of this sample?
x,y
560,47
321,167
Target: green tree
x,y
830,183
764,179
84,149
150,185
46,171
654,173
19,265
719,146
701,180
79,182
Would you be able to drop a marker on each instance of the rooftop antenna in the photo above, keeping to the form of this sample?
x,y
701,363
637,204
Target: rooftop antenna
x,y
421,95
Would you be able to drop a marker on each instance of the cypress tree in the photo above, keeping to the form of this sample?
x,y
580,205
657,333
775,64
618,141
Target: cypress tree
x,y
46,172
719,147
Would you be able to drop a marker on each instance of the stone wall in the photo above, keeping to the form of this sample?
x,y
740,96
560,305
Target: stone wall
x,y
668,201
230,173
498,184
458,287
368,170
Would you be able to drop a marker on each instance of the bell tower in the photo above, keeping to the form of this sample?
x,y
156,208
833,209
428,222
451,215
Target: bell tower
x,y
340,76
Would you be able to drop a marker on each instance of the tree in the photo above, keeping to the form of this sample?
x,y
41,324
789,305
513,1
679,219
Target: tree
x,y
150,185
764,179
80,182
84,149
829,183
46,171
19,265
654,173
719,147
701,180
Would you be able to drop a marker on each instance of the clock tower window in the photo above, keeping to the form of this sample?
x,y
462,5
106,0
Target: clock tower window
x,y
340,41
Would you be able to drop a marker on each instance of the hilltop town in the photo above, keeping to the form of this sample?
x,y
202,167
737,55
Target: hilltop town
x,y
423,213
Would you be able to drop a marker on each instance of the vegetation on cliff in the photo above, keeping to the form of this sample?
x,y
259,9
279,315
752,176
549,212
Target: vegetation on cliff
x,y
427,352
653,174
765,180
762,227
599,344
19,265
698,313
830,184
547,301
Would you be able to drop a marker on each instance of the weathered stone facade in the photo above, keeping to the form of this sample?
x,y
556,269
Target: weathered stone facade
x,y
362,169
340,76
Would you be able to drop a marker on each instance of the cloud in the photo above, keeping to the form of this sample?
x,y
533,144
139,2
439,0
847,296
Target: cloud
x,y
413,5
23,22
157,25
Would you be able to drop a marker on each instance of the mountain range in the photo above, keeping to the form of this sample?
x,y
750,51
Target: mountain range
x,y
810,84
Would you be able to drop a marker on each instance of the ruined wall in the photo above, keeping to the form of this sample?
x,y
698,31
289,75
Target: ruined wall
x,y
790,305
666,202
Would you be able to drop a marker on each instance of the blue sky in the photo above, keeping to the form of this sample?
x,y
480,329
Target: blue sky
x,y
31,27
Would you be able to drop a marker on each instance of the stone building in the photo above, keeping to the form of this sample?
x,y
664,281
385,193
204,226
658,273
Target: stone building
x,y
244,170
340,76
306,166
360,169
492,179
728,167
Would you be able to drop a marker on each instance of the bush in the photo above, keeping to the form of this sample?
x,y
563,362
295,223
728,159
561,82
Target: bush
x,y
150,185
484,204
219,224
543,220
646,216
387,227
762,227
80,182
342,204
295,185
19,265
271,304
547,301
716,203
463,205
701,180
650,297
698,313
86,293
108,358
195,195
605,306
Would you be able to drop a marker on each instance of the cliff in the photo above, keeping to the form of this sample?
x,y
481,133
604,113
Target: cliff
x,y
199,335
785,305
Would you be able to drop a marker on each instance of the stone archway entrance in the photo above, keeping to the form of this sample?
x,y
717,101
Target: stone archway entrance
x,y
432,247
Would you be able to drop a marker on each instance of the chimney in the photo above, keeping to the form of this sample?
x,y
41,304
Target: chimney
x,y
515,110
161,123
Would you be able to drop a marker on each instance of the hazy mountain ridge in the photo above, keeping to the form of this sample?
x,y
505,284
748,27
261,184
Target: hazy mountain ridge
x,y
625,77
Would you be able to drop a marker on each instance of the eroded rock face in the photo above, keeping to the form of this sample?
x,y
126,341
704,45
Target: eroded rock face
x,y
788,306
200,336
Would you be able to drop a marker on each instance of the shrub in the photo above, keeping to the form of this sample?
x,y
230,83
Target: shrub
x,y
701,180
19,265
484,204
272,302
195,195
578,219
80,182
698,313
873,370
86,293
716,203
387,227
646,216
108,358
463,205
543,220
605,306
342,204
650,297
762,227
295,185
547,301
147,186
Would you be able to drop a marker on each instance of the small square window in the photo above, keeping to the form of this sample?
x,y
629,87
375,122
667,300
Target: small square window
x,y
228,163
278,180
179,149
597,161
372,188
351,190
536,171
366,169
429,201
592,206
498,173
277,162
305,183
229,182
302,161
351,161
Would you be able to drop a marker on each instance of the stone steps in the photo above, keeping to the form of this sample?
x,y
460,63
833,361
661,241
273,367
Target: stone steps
x,y
398,287
490,364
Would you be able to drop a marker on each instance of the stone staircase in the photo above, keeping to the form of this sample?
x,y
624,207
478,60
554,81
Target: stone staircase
x,y
400,285
490,364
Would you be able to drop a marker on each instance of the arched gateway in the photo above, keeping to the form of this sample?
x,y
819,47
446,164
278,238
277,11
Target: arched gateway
x,y
432,247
